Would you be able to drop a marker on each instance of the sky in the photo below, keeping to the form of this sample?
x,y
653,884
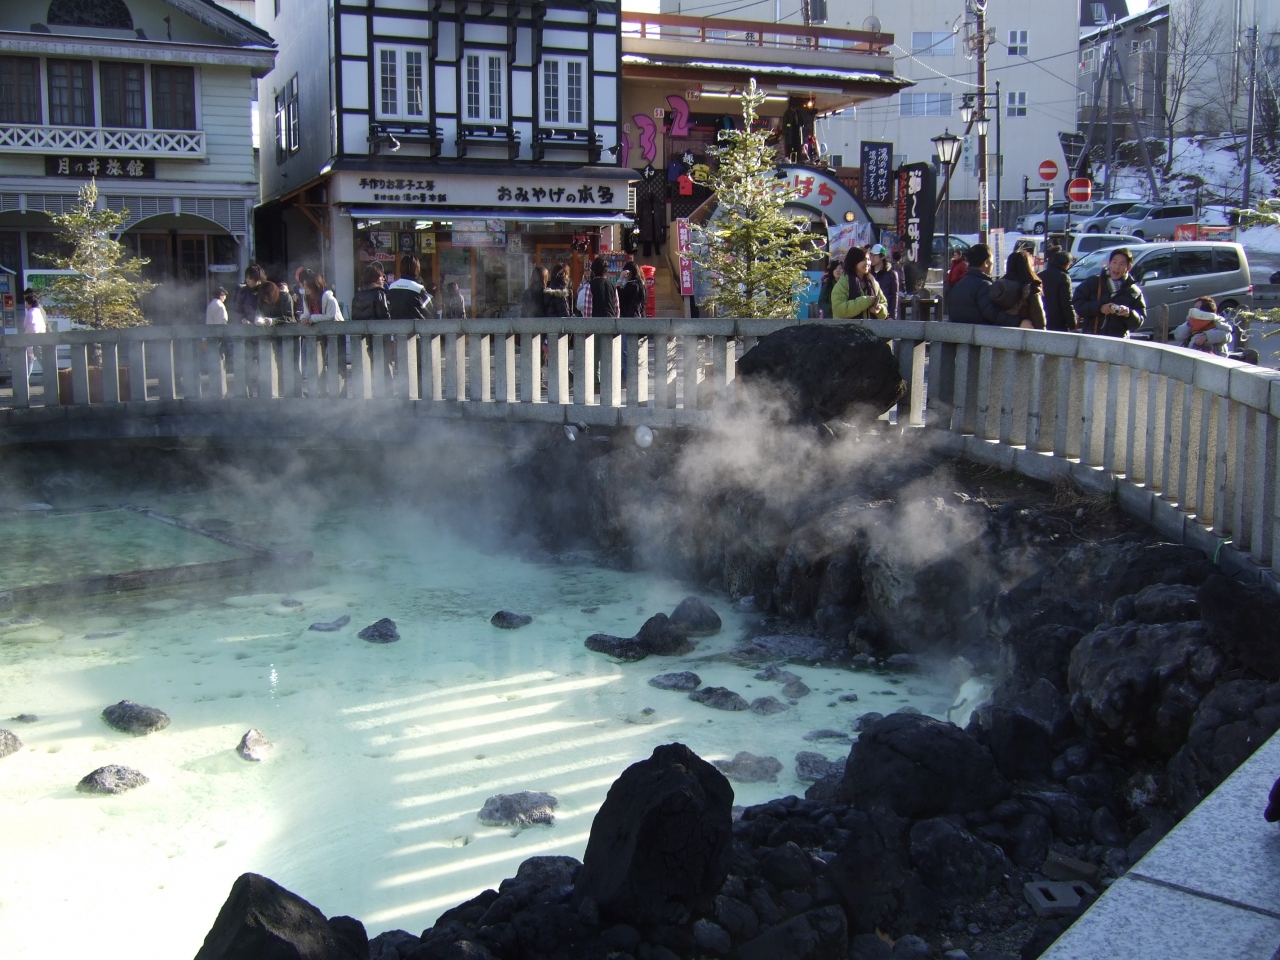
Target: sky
x,y
1137,6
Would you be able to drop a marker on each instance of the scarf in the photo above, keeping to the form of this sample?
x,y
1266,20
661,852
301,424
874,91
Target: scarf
x,y
1201,320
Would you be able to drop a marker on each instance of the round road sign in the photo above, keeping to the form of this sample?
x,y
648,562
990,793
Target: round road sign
x,y
1048,170
1080,190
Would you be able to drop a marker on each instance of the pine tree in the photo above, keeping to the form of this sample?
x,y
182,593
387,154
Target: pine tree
x,y
106,289
755,253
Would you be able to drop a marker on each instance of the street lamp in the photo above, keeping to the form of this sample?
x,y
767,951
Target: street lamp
x,y
948,147
966,109
980,123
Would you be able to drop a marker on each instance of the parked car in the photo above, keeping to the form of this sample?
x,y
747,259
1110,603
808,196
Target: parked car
x,y
1153,221
1034,222
1176,275
941,258
1103,215
1084,243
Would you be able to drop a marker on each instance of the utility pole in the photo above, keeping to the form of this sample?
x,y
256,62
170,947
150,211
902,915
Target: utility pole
x,y
1111,113
1252,36
979,8
1000,163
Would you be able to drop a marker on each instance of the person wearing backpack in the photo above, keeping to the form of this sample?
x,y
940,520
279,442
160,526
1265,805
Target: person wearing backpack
x,y
1111,304
1019,291
856,295
1058,312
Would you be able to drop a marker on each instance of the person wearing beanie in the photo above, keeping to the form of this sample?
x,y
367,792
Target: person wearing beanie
x,y
1058,313
1204,329
887,276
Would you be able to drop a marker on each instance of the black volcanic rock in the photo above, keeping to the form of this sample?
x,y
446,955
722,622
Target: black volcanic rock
x,y
261,920
523,809
384,631
506,620
1243,620
111,779
720,698
695,618
657,636
660,844
748,768
676,681
129,717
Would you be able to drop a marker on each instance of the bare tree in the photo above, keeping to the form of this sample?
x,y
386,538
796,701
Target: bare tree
x,y
1194,39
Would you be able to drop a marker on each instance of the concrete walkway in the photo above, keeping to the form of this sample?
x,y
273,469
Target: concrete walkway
x,y
1210,890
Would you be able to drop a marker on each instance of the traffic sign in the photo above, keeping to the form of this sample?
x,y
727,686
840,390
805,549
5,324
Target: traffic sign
x,y
1048,170
1080,190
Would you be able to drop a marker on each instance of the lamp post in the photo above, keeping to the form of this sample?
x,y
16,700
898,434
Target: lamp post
x,y
948,147
973,113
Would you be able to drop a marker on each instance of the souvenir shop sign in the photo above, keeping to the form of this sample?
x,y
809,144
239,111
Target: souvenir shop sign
x,y
105,168
877,172
684,239
819,192
917,195
517,192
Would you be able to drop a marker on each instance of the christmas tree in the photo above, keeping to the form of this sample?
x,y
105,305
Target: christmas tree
x,y
754,252
106,288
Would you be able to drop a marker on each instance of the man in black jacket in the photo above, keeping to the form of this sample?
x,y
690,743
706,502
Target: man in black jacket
x,y
970,299
1111,304
1058,312
407,299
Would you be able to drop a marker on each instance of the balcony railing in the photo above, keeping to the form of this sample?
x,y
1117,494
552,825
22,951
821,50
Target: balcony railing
x,y
96,141
752,33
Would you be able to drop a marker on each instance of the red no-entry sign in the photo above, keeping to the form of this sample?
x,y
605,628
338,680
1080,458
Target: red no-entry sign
x,y
1048,170
1080,190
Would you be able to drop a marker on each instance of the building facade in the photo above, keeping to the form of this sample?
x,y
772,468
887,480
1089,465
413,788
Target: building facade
x,y
152,98
482,137
1134,51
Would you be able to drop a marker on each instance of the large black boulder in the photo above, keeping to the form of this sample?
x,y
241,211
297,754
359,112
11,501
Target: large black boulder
x,y
1021,729
658,635
129,717
952,862
825,372
821,934
919,767
1243,620
261,920
660,844
694,617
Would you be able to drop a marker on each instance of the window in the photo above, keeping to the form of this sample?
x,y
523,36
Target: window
x,y
288,125
402,81
1193,263
20,90
1271,56
564,91
1015,103
1089,60
123,99
1156,267
1084,100
71,92
173,98
1018,43
485,88
1225,261
926,105
1099,11
935,44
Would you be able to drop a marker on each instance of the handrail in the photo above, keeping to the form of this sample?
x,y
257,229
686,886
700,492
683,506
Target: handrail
x,y
641,25
1187,441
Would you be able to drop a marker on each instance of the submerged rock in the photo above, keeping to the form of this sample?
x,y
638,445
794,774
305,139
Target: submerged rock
x,y
332,626
657,636
384,631
112,779
9,743
795,690
695,618
290,602
684,680
262,919
620,648
523,809
774,671
767,706
811,767
827,735
506,620
254,746
25,718
786,647
129,717
720,698
748,768
661,843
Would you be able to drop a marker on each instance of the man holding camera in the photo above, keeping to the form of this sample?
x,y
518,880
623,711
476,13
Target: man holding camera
x,y
1111,304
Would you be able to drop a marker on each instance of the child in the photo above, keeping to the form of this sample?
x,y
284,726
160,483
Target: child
x,y
1204,329
216,312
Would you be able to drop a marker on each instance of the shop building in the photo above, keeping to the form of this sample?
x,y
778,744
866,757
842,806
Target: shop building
x,y
484,137
152,98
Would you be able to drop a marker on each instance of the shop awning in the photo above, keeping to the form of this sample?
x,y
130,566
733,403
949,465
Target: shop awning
x,y
603,219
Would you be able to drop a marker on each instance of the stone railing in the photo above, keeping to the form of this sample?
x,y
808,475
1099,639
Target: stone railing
x,y
96,141
1186,441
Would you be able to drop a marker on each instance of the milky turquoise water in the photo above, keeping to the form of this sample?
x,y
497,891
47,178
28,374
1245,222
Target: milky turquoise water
x,y
383,753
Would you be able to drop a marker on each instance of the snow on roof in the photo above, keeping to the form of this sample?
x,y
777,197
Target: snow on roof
x,y
817,73
1153,14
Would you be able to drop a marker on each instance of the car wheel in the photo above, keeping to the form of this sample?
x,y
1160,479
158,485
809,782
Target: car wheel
x,y
1094,229
1139,234
1039,229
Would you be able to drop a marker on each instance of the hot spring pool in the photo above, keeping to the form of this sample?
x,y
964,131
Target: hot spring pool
x,y
383,753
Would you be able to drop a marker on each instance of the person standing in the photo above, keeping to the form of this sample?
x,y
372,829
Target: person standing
x,y
455,304
558,293
318,292
887,277
33,321
1058,313
1111,304
832,276
1019,291
533,302
856,295
370,300
244,305
216,311
969,301
274,303
407,298
632,295
959,267
604,295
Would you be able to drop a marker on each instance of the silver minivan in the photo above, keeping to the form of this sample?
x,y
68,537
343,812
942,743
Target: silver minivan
x,y
1153,221
1177,274
1102,216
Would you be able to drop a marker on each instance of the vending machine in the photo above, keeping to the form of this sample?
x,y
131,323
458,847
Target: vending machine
x,y
8,312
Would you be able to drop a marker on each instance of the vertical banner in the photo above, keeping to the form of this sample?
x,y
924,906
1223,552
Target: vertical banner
x,y
917,197
984,215
877,175
683,238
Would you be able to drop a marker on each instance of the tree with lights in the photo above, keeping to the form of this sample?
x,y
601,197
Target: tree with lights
x,y
753,251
